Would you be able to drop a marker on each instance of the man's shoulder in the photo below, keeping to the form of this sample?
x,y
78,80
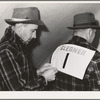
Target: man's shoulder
x,y
96,57
6,46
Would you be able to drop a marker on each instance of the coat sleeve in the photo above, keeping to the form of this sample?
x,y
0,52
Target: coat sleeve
x,y
16,75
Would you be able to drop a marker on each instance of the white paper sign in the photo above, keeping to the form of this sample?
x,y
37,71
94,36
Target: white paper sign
x,y
72,59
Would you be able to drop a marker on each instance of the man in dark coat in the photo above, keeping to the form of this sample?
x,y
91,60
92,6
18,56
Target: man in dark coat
x,y
84,28
16,71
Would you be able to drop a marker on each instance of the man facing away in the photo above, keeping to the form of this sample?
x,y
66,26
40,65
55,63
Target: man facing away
x,y
84,29
16,71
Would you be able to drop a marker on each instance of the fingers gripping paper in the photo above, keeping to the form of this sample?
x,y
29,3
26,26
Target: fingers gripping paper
x,y
72,59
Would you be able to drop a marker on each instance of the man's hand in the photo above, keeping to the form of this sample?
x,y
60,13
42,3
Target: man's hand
x,y
47,71
49,74
44,68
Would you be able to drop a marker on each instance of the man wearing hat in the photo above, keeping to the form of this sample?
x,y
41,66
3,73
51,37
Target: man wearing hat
x,y
84,28
16,71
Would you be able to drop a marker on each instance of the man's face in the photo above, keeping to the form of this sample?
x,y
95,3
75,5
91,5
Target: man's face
x,y
28,32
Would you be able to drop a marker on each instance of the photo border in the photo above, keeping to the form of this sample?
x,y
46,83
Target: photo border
x,y
51,94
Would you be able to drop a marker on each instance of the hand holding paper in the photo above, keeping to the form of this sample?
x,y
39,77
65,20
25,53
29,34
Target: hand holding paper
x,y
50,74
47,71
44,68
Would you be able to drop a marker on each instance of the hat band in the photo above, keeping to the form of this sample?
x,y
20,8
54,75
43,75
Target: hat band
x,y
92,23
18,19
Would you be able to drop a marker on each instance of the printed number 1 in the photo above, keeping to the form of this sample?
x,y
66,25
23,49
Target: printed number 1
x,y
65,60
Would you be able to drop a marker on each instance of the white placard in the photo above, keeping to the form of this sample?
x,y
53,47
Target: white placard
x,y
72,59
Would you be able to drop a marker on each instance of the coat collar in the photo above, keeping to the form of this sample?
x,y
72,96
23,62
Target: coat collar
x,y
80,39
14,39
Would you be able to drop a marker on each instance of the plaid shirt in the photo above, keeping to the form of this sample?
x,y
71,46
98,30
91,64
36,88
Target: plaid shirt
x,y
91,80
16,72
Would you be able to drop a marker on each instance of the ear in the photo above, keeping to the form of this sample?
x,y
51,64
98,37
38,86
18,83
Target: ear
x,y
89,33
19,27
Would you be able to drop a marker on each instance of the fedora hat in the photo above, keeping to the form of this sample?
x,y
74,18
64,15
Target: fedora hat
x,y
84,20
25,15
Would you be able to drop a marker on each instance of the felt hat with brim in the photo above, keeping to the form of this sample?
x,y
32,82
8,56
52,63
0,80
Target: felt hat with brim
x,y
84,20
27,15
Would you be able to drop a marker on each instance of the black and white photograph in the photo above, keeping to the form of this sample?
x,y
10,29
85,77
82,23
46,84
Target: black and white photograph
x,y
50,48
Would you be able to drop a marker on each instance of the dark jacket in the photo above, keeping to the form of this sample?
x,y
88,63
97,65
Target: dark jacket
x,y
91,80
16,72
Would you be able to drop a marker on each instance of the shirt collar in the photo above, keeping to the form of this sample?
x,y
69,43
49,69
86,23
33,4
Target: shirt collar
x,y
80,39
